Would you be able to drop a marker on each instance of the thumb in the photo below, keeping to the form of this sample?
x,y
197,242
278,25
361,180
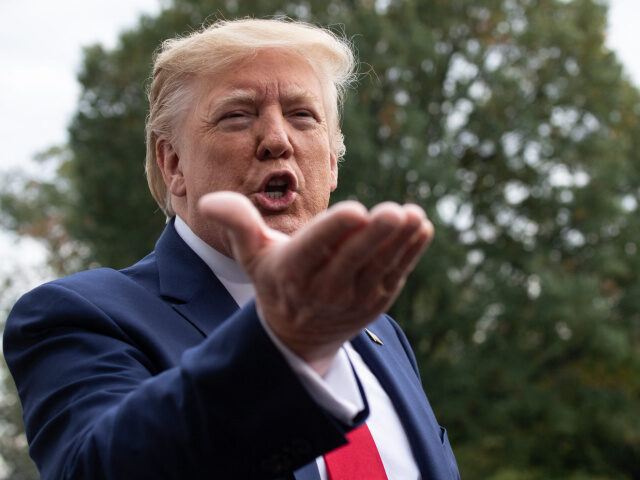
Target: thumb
x,y
242,224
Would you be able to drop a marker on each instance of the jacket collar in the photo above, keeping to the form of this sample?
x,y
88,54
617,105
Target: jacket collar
x,y
189,285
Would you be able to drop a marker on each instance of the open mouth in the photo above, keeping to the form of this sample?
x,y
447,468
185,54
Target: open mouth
x,y
278,191
276,187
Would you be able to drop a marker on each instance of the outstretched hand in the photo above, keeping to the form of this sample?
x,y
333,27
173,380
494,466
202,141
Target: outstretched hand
x,y
319,287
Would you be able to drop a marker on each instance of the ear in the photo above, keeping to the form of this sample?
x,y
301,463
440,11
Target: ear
x,y
334,170
170,166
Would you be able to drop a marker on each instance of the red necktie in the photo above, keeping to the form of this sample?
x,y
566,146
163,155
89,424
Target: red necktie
x,y
357,460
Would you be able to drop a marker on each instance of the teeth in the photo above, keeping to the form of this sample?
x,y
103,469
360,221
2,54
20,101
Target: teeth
x,y
274,195
277,182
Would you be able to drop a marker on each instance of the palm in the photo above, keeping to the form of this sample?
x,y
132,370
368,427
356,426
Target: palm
x,y
319,287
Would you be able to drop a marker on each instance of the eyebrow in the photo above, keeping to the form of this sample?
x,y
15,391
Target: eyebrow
x,y
234,97
297,94
241,96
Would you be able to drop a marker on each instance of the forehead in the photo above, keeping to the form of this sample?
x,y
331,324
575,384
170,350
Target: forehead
x,y
270,74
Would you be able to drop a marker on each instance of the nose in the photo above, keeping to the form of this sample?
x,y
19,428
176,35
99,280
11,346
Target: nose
x,y
273,139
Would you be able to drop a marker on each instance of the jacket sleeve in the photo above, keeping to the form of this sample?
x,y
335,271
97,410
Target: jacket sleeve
x,y
96,405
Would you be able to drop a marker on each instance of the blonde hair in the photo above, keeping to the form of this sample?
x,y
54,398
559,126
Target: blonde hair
x,y
222,44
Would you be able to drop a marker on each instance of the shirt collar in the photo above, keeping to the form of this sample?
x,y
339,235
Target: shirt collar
x,y
226,269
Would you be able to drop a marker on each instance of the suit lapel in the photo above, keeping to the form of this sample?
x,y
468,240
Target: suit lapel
x,y
189,285
393,370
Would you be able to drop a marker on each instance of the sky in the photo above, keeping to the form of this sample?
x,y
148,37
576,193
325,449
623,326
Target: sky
x,y
40,52
624,35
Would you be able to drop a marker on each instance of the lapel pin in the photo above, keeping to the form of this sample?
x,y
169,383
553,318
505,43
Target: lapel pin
x,y
373,337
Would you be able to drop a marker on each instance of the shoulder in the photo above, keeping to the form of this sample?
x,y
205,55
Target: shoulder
x,y
144,274
97,282
80,298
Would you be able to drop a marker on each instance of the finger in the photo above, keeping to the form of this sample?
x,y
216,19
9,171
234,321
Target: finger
x,y
243,225
393,248
314,244
391,252
394,279
386,220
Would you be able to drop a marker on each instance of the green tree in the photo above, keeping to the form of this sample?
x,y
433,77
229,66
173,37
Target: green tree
x,y
13,443
513,126
15,463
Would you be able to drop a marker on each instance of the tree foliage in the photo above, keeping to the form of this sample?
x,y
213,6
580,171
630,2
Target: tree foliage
x,y
514,127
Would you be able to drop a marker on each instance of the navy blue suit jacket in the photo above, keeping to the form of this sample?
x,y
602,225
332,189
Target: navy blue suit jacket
x,y
154,372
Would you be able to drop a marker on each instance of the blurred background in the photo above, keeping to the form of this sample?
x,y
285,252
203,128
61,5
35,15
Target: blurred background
x,y
512,122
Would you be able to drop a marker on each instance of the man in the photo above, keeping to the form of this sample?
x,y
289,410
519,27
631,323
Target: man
x,y
192,365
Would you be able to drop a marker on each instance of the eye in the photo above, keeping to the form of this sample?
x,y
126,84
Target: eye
x,y
234,115
302,116
234,120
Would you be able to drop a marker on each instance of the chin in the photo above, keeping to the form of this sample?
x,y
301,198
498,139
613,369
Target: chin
x,y
286,224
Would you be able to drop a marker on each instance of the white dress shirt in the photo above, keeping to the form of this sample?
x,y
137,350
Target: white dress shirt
x,y
337,391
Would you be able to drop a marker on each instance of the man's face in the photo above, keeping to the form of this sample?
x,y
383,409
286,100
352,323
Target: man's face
x,y
259,129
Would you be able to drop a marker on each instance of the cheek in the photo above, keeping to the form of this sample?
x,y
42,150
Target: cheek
x,y
216,169
320,192
230,157
319,160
